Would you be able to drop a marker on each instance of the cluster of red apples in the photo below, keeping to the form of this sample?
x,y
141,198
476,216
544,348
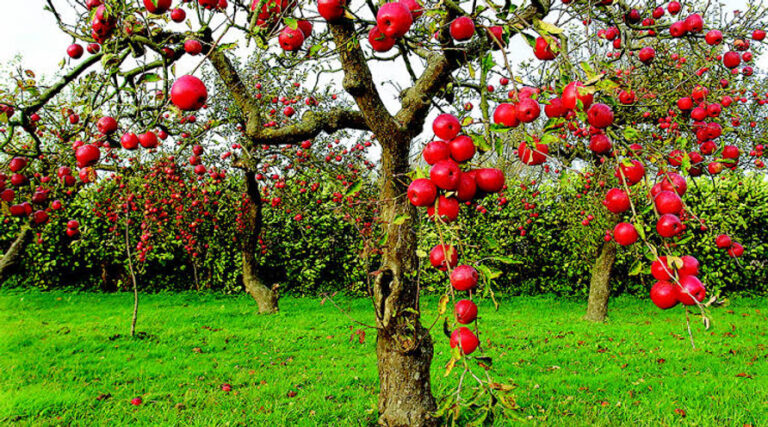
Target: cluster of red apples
x,y
446,156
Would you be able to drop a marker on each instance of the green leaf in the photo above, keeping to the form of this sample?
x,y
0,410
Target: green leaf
x,y
400,219
354,189
640,231
293,23
636,269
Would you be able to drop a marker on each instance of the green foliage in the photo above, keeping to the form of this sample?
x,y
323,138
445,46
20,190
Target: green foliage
x,y
329,248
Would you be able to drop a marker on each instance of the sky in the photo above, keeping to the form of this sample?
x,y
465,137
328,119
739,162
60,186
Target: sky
x,y
29,30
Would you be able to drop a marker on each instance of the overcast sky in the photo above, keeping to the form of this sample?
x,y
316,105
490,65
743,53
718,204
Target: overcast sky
x,y
28,30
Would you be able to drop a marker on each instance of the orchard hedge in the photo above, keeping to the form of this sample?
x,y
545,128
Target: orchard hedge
x,y
324,250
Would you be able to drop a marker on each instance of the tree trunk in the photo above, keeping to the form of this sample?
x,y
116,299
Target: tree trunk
x,y
599,285
265,297
10,261
403,346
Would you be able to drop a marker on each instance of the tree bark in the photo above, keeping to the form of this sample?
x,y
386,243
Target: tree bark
x,y
403,345
599,285
265,297
12,257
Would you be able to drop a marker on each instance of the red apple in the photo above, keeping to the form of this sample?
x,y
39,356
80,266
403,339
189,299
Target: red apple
x,y
462,28
422,192
665,294
188,93
437,257
616,201
446,126
394,19
691,288
466,311
464,337
669,225
464,278
625,233
435,151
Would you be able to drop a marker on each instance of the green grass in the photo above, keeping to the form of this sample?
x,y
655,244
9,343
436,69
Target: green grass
x,y
60,351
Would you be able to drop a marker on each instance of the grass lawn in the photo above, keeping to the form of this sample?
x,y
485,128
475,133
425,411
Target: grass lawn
x,y
65,359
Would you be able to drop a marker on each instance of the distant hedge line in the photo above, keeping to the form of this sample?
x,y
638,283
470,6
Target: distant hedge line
x,y
321,252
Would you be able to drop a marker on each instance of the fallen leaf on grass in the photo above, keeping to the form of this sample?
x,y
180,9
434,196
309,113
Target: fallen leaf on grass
x,y
104,396
743,375
291,394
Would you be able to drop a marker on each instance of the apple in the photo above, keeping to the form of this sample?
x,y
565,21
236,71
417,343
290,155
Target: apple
x,y
555,108
669,225
736,250
600,116
291,39
690,266
394,19
157,7
574,92
462,148
466,339
75,51
616,201
129,141
674,182
467,187
660,269
136,401
678,29
691,288
437,257
674,7
379,42
646,55
148,139
600,144
330,10
627,97
713,37
193,47
305,27
489,180
506,115
462,28
466,311
625,233
447,209
17,164
446,126
7,195
723,241
422,192
464,277
188,93
668,202
694,23
87,155
533,157
665,294
542,50
435,151
758,35
107,125
178,15
413,5
445,174
633,173
731,59
527,110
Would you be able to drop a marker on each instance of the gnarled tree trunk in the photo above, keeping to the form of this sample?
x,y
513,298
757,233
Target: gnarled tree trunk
x,y
265,297
10,261
600,286
403,345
